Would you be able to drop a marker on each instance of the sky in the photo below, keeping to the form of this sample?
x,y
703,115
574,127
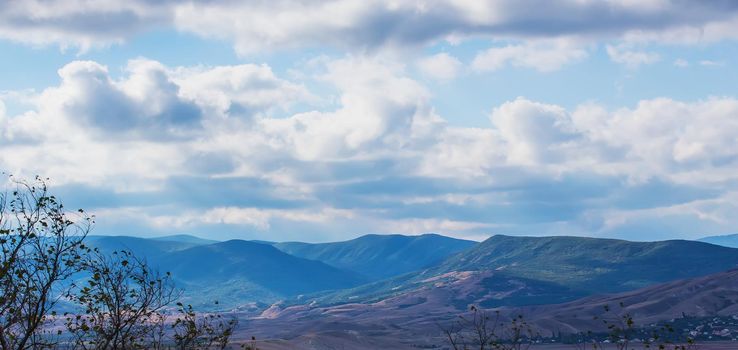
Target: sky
x,y
325,120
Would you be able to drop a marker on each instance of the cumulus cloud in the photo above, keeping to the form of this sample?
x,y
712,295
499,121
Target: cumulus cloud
x,y
92,127
78,23
240,147
379,109
681,63
254,217
147,102
534,132
631,58
245,89
710,63
371,24
257,26
543,56
440,66
152,101
2,114
381,157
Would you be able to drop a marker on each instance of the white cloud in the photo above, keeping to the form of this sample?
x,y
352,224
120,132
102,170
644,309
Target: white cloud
x,y
92,128
681,63
383,135
379,109
78,23
718,28
440,66
690,219
244,89
544,56
381,158
677,142
255,27
463,153
631,58
449,227
145,104
709,63
534,132
255,217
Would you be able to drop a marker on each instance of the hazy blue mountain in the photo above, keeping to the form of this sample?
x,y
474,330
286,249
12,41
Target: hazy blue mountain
x,y
595,264
730,241
380,256
143,247
506,270
240,271
185,239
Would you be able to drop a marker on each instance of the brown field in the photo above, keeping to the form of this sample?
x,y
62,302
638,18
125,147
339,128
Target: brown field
x,y
330,343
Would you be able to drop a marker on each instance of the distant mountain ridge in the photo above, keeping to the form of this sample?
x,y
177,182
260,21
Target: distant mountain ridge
x,y
730,241
241,272
247,271
595,263
508,270
559,283
501,271
380,256
148,248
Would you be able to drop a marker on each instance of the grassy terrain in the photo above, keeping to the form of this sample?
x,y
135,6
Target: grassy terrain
x,y
380,256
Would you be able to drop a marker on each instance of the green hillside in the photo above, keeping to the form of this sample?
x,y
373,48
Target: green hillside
x,y
380,256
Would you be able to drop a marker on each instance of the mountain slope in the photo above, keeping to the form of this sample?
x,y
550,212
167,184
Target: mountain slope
x,y
410,317
724,240
706,296
239,271
537,270
380,256
593,264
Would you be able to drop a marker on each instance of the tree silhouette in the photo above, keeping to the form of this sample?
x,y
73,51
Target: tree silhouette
x,y
41,245
123,300
120,301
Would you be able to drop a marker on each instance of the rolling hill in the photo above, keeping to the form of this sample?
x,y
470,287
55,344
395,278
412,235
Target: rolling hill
x,y
506,270
501,271
233,272
380,256
706,296
415,320
239,271
594,264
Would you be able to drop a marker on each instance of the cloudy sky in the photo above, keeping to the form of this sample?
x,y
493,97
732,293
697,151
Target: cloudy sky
x,y
324,120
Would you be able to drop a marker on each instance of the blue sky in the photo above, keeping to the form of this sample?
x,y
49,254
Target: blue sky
x,y
319,121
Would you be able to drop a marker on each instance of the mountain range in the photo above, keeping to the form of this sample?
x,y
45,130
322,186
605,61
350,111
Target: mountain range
x,y
378,291
239,272
516,271
501,271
